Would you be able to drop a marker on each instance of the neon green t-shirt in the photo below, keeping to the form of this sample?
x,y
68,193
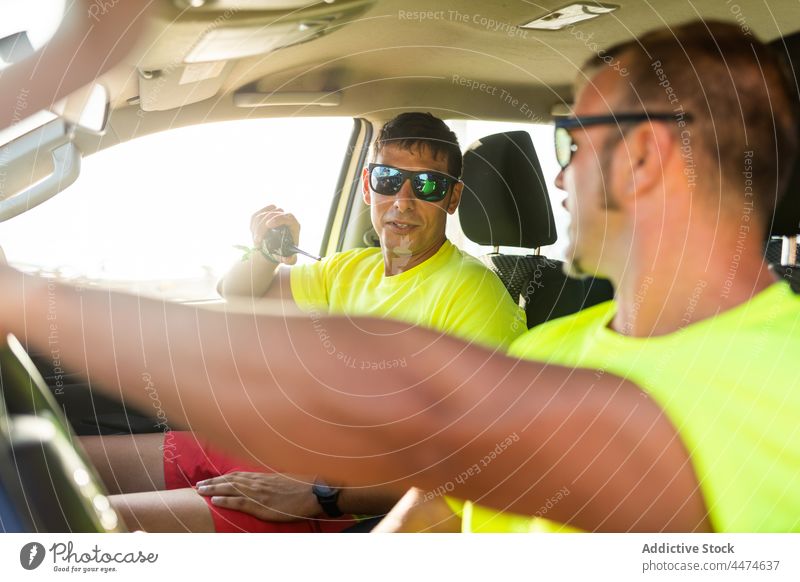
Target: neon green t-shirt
x,y
729,386
451,292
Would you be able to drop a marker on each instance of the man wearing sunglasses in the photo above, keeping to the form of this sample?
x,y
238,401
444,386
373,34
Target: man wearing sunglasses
x,y
672,177
411,185
671,408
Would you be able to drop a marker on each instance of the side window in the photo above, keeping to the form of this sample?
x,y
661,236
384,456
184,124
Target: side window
x,y
160,215
469,131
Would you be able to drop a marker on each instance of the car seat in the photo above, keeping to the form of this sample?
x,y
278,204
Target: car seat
x,y
782,246
506,203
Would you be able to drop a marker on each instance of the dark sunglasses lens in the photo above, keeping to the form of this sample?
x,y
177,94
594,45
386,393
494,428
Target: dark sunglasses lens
x,y
563,142
385,180
429,186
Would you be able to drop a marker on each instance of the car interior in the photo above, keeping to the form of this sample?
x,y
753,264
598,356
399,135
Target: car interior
x,y
198,63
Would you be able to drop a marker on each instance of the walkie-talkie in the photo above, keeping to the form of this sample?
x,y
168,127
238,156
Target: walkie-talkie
x,y
278,241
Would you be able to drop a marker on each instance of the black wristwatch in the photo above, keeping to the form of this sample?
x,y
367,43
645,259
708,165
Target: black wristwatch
x,y
327,497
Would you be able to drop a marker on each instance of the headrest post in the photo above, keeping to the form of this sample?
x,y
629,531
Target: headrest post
x,y
496,249
537,251
789,250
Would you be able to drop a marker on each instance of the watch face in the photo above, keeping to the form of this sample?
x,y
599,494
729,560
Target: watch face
x,y
324,490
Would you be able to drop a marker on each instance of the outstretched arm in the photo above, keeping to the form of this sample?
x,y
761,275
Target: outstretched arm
x,y
291,391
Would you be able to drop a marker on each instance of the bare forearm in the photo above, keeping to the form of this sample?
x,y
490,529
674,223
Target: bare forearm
x,y
368,500
300,393
250,278
330,396
250,383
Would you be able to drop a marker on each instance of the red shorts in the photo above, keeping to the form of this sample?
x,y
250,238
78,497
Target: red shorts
x,y
188,460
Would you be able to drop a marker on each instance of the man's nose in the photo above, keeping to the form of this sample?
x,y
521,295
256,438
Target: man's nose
x,y
559,181
405,199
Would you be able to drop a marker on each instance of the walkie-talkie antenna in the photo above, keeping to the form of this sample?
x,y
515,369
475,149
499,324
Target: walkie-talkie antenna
x,y
278,241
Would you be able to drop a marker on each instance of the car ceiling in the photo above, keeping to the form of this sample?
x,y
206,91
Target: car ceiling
x,y
375,57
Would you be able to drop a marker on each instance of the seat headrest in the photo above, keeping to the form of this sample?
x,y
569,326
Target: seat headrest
x,y
505,200
786,221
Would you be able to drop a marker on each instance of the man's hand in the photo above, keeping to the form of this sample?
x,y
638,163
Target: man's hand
x,y
267,496
271,217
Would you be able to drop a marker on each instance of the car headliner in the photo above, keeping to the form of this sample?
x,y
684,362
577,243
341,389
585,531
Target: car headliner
x,y
390,55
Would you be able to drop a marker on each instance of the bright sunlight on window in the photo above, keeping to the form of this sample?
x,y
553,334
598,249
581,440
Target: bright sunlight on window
x,y
160,215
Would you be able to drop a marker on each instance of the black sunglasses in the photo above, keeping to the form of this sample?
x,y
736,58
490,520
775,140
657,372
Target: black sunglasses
x,y
565,146
426,185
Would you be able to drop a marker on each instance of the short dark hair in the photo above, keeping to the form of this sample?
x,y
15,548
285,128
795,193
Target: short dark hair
x,y
414,129
736,90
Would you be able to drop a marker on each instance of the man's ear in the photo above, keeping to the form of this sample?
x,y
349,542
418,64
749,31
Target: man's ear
x,y
650,147
455,197
365,187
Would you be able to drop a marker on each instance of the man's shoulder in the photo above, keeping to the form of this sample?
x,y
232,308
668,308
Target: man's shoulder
x,y
472,281
774,312
465,265
348,264
574,326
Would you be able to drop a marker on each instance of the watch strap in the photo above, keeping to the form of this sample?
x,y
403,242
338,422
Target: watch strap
x,y
328,498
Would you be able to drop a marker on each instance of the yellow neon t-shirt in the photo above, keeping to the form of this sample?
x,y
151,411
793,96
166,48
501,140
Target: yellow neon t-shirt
x,y
451,292
729,386
476,518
